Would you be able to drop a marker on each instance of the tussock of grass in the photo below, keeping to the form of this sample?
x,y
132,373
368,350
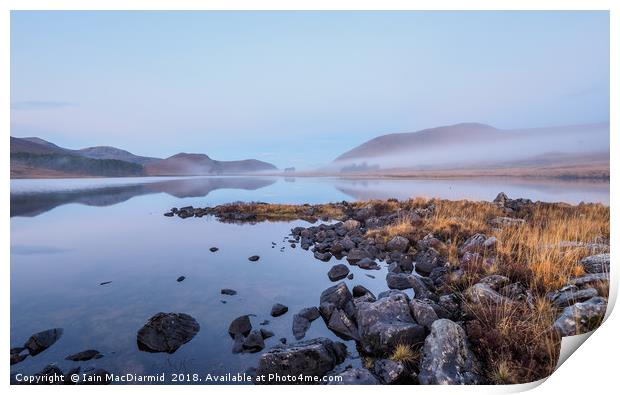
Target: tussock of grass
x,y
405,353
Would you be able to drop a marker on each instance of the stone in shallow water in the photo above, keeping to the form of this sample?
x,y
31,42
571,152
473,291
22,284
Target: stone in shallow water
x,y
41,341
228,291
338,272
278,309
254,258
166,332
314,357
240,326
85,355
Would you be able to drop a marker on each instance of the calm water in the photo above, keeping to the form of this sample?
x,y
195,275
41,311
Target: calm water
x,y
67,236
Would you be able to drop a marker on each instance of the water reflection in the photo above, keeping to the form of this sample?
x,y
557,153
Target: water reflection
x,y
33,203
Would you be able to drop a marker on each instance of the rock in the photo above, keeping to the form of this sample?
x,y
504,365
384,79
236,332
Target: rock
x,y
427,260
254,342
367,264
166,332
238,344
390,372
86,355
213,249
266,333
278,309
334,298
360,290
323,256
338,311
350,276
423,287
590,279
398,281
254,258
105,283
398,243
300,326
500,199
385,323
282,340
18,355
596,263
482,293
180,279
338,272
169,214
355,255
347,244
475,244
350,225
355,376
312,357
581,317
310,313
506,221
448,306
423,313
228,291
240,326
495,281
41,341
570,294
446,356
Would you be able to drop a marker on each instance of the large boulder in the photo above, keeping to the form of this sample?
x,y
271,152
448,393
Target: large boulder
x,y
581,317
166,332
446,356
41,341
354,376
385,323
596,263
312,357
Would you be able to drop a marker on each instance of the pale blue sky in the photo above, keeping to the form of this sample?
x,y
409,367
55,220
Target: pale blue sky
x,y
298,88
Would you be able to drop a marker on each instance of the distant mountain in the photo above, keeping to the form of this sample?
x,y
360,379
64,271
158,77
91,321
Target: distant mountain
x,y
105,152
201,164
476,145
33,157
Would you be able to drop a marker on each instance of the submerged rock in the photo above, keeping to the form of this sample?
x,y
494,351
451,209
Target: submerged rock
x,y
41,341
254,258
446,356
166,332
85,355
312,357
254,342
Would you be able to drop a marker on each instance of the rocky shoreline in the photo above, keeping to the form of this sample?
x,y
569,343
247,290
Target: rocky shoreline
x,y
436,336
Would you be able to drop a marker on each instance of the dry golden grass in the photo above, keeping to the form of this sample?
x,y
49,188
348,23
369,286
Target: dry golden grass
x,y
405,354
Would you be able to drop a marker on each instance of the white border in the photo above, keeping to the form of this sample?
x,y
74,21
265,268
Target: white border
x,y
592,369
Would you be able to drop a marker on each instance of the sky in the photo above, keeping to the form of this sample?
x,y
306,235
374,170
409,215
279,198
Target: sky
x,y
298,88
